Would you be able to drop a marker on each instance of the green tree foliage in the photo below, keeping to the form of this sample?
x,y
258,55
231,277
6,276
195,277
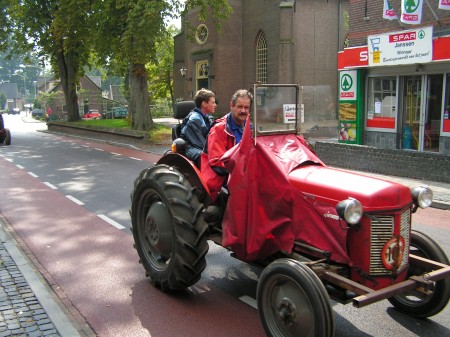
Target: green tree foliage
x,y
125,34
130,32
160,81
58,30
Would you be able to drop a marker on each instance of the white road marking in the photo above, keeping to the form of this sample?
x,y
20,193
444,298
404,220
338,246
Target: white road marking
x,y
99,149
250,301
9,159
116,154
135,158
20,166
33,175
53,187
75,200
110,221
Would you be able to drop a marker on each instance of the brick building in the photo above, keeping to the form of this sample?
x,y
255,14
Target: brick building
x,y
401,72
270,41
89,95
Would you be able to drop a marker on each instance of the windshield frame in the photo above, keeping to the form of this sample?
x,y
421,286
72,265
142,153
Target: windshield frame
x,y
263,92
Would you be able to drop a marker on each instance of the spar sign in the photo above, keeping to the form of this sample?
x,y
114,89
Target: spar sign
x,y
347,85
404,47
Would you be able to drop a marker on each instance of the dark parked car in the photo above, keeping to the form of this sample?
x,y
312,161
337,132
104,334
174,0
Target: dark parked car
x,y
38,113
118,112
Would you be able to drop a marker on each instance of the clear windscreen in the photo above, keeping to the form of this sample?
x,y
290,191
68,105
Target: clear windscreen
x,y
275,108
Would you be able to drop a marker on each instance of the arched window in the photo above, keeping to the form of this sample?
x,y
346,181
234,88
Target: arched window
x,y
261,58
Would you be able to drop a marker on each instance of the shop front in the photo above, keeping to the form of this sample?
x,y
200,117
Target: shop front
x,y
404,90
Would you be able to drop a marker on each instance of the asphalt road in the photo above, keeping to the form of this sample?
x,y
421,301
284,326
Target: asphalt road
x,y
68,199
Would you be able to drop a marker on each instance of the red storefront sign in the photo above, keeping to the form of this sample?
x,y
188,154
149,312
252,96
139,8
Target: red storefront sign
x,y
358,57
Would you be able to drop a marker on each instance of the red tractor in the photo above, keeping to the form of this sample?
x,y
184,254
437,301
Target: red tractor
x,y
317,232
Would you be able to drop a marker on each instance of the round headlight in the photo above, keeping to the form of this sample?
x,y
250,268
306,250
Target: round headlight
x,y
350,210
422,196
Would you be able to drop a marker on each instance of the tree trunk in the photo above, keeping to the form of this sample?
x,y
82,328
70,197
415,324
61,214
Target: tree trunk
x,y
67,73
139,106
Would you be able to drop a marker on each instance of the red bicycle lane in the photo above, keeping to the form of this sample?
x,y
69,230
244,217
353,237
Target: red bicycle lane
x,y
95,267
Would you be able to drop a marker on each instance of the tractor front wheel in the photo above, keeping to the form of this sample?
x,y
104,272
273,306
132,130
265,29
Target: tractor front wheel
x,y
292,301
411,303
168,229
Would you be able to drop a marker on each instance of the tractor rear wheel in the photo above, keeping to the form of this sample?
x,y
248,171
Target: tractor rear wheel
x,y
292,301
168,228
410,303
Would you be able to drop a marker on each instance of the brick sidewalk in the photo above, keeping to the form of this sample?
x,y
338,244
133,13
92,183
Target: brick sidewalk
x,y
29,304
20,311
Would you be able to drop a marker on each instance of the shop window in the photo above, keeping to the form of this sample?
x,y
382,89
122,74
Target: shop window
x,y
382,103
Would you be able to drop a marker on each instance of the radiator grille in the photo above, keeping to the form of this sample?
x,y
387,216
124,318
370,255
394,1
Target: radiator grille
x,y
382,230
405,227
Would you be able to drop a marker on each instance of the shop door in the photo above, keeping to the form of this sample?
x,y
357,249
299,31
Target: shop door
x,y
412,102
422,106
433,110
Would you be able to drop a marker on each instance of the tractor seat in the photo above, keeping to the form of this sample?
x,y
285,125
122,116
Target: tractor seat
x,y
180,111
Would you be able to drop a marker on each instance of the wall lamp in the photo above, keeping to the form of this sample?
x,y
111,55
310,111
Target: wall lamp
x,y
183,72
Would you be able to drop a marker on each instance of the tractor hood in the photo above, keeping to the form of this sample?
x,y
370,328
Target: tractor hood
x,y
333,185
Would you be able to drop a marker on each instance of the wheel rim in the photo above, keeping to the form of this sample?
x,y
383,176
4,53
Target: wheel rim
x,y
155,232
287,309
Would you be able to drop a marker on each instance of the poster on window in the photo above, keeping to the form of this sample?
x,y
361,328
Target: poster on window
x,y
347,132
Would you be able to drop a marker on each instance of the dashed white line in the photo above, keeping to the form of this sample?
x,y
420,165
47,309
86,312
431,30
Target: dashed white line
x,y
249,300
53,187
135,158
99,149
116,154
110,221
9,159
33,175
20,166
75,200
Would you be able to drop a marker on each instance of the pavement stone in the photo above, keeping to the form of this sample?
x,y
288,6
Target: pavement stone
x,y
28,306
14,312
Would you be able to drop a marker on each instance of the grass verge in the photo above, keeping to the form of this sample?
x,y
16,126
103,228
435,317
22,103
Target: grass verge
x,y
159,133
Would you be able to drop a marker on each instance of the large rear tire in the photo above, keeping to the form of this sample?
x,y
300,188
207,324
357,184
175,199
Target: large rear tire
x,y
168,228
293,302
411,304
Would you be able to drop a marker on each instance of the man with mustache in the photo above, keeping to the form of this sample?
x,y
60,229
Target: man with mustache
x,y
224,134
